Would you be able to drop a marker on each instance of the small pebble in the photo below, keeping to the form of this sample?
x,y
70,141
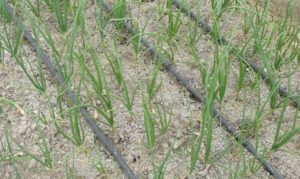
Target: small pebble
x,y
32,164
178,133
177,144
165,146
19,154
22,129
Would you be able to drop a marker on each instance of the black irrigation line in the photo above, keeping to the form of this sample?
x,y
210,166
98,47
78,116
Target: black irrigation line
x,y
255,67
84,112
200,98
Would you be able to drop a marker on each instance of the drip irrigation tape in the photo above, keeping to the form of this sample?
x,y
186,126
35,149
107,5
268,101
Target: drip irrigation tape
x,y
84,112
201,98
255,67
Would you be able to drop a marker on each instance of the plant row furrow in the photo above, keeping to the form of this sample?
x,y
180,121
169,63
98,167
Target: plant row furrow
x,y
200,97
84,112
223,41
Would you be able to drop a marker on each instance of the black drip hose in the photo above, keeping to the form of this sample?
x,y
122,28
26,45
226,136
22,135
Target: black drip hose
x,y
98,132
84,112
201,98
255,67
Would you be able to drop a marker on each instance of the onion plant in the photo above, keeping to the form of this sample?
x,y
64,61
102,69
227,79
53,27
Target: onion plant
x,y
163,117
286,136
48,3
283,137
69,166
11,157
34,7
152,87
45,158
159,171
136,42
101,89
72,115
119,13
174,22
14,47
149,125
60,9
4,13
100,17
117,69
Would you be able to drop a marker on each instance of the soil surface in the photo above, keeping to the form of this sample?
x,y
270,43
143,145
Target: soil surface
x,y
19,121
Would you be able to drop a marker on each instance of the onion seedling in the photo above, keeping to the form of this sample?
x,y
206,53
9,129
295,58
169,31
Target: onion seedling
x,y
45,158
33,70
72,114
152,87
100,17
61,13
11,157
115,63
159,171
119,12
149,125
173,23
164,117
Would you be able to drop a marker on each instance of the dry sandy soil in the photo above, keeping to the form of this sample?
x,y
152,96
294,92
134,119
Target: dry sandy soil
x,y
129,137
